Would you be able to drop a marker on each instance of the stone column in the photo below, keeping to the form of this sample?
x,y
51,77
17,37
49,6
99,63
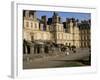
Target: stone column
x,y
42,48
26,52
60,49
32,49
36,49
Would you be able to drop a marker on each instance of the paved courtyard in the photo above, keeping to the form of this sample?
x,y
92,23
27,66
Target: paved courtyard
x,y
80,58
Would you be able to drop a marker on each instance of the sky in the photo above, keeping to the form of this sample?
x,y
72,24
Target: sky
x,y
64,15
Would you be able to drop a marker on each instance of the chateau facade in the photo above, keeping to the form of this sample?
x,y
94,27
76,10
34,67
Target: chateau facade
x,y
40,32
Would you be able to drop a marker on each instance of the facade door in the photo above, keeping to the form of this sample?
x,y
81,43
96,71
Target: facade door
x,y
28,49
39,49
46,49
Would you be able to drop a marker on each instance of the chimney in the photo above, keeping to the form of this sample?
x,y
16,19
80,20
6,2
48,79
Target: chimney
x,y
43,18
56,18
32,14
26,13
67,20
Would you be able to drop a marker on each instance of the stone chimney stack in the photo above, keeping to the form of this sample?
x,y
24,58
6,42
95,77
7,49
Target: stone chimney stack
x,y
44,19
56,18
67,20
71,25
27,13
59,19
32,14
71,22
76,22
67,24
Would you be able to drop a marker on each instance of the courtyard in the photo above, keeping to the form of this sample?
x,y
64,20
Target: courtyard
x,y
82,57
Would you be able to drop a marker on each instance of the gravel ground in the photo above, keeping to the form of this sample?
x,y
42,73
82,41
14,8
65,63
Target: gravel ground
x,y
61,60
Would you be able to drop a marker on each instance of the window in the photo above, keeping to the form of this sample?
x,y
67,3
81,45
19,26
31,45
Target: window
x,y
32,38
86,37
82,37
58,36
31,25
61,28
35,25
85,31
84,44
69,44
27,24
66,44
44,27
57,28
62,36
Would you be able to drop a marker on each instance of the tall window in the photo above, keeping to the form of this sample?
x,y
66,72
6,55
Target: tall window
x,y
35,25
32,38
31,24
27,24
62,36
44,27
58,28
58,36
